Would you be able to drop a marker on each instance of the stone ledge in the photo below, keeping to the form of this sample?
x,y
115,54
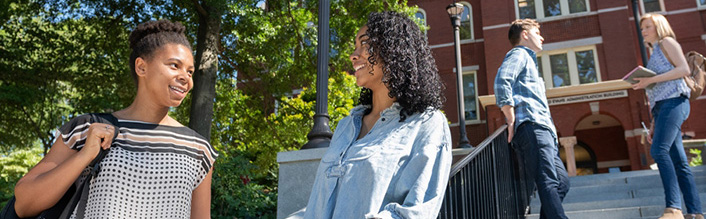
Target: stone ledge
x,y
301,155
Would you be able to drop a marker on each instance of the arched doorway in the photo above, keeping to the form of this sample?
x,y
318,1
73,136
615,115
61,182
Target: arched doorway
x,y
608,148
585,159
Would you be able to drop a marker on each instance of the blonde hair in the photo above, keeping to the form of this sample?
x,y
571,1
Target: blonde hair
x,y
661,25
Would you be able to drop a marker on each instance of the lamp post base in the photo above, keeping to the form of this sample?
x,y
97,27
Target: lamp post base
x,y
320,135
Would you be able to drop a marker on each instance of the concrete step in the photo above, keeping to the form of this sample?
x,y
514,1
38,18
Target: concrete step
x,y
623,203
634,194
618,178
629,185
620,192
613,213
652,211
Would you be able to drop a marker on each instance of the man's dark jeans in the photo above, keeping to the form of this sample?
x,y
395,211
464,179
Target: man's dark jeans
x,y
540,155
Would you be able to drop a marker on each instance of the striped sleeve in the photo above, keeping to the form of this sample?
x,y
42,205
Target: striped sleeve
x,y
210,153
208,157
74,132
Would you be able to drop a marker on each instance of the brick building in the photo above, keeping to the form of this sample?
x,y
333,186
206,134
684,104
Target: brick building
x,y
589,46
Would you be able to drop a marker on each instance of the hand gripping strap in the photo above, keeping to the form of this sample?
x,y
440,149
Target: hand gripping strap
x,y
78,201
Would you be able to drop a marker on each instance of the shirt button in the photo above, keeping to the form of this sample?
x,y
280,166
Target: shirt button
x,y
383,119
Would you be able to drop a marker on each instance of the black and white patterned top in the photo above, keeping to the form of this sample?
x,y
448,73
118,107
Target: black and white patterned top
x,y
150,171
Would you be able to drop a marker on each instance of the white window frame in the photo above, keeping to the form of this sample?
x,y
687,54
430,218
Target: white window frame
x,y
292,94
470,17
699,5
475,78
424,21
565,11
661,7
573,68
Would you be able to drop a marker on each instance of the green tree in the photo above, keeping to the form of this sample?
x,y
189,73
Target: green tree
x,y
696,160
68,57
15,165
54,69
270,53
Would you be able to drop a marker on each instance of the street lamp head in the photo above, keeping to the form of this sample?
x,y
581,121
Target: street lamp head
x,y
454,9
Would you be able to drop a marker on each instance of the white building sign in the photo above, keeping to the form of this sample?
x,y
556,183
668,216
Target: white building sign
x,y
588,97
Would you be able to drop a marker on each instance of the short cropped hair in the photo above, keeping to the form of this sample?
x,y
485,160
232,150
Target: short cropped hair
x,y
661,25
516,28
148,37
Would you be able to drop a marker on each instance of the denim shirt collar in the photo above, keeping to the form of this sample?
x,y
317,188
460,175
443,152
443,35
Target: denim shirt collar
x,y
531,52
393,110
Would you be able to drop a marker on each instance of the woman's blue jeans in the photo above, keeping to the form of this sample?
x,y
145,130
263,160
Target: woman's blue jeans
x,y
540,155
668,152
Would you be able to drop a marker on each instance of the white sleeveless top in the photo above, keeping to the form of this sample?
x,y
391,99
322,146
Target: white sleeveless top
x,y
150,171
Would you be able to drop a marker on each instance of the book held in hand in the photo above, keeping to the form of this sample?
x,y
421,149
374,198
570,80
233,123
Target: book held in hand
x,y
639,72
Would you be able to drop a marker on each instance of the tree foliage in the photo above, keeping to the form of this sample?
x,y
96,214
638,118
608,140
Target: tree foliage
x,y
53,69
66,57
696,160
15,165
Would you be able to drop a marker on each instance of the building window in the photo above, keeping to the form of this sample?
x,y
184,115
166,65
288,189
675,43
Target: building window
x,y
470,97
701,3
466,30
539,9
422,16
567,67
586,66
526,9
560,70
648,6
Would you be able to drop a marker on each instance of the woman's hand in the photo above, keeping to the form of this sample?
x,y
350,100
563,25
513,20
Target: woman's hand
x,y
99,135
47,182
642,83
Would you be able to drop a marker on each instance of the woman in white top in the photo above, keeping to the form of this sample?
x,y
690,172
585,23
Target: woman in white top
x,y
156,167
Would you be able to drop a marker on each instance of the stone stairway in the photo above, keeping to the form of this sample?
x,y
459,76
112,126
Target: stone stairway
x,y
625,195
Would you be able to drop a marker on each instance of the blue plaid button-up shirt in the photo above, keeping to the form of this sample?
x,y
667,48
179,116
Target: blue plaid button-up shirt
x,y
518,84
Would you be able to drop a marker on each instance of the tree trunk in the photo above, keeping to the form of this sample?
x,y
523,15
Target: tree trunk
x,y
206,61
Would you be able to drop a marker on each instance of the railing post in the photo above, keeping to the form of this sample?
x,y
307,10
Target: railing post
x,y
481,175
496,187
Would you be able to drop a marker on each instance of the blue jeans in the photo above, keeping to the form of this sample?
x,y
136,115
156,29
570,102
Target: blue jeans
x,y
668,152
540,155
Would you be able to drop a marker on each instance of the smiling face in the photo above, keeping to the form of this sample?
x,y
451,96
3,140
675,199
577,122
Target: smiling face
x,y
366,74
165,77
649,31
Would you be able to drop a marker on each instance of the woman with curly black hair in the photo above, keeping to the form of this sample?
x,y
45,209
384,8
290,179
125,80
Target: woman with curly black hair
x,y
156,167
390,158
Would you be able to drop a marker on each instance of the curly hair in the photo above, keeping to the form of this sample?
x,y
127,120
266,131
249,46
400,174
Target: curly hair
x,y
409,69
150,36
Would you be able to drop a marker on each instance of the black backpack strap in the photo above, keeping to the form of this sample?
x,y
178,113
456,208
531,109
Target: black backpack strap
x,y
80,198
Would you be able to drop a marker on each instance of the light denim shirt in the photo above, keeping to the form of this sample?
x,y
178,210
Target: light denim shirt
x,y
398,170
518,84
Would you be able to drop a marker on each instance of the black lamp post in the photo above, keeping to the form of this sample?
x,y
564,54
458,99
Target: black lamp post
x,y
636,13
455,10
320,134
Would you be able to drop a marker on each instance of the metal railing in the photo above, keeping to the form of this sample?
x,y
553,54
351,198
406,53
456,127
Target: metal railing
x,y
489,182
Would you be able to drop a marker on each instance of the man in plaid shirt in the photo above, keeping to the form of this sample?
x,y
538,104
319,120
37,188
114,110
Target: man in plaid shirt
x,y
520,94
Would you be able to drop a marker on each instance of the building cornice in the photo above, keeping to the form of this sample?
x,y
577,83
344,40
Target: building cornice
x,y
489,100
